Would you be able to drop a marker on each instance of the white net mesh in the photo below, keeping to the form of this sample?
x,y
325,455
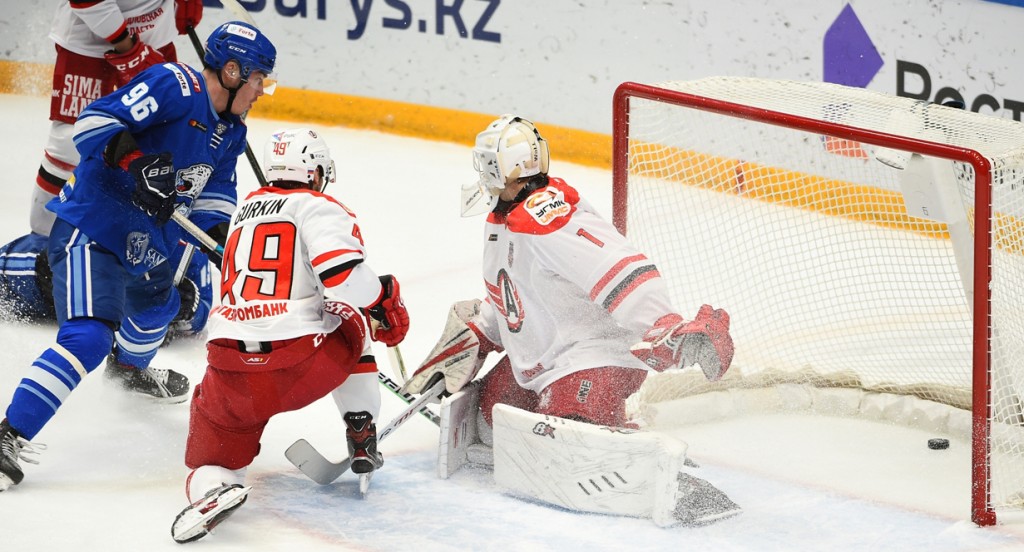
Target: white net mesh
x,y
805,239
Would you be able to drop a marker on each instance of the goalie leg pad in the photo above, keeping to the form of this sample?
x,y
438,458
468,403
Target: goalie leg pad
x,y
589,468
458,430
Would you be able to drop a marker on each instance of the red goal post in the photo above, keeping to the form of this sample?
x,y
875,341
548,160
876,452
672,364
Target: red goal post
x,y
859,241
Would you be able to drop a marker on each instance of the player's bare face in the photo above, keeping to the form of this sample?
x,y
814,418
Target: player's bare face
x,y
249,92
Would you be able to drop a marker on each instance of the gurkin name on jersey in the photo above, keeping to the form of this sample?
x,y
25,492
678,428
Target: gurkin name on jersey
x,y
259,208
78,93
251,312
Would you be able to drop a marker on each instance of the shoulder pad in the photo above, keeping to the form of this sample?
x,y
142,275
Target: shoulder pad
x,y
186,77
545,210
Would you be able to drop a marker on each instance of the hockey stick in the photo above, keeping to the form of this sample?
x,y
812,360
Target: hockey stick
x,y
239,10
210,245
321,470
397,364
406,397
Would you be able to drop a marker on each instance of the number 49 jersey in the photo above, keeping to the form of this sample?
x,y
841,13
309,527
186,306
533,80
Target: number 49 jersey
x,y
287,251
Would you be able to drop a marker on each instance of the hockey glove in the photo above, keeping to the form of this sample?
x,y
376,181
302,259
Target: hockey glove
x,y
675,343
154,185
389,313
188,291
187,13
346,312
131,63
458,355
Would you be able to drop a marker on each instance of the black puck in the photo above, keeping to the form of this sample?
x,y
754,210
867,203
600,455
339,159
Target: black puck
x,y
938,444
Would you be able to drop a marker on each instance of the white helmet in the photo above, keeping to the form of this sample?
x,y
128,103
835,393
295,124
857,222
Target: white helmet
x,y
508,149
294,155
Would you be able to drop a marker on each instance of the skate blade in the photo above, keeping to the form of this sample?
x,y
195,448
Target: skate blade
x,y
165,400
364,483
196,521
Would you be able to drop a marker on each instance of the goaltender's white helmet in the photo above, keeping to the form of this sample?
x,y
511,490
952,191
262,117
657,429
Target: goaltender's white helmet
x,y
295,155
508,149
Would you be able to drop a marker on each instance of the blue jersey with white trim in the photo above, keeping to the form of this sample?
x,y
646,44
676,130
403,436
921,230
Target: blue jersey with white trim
x,y
166,108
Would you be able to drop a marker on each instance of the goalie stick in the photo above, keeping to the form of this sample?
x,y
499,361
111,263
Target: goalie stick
x,y
321,470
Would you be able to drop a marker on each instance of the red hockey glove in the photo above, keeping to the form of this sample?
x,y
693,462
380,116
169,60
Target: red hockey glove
x,y
132,62
187,13
389,312
675,343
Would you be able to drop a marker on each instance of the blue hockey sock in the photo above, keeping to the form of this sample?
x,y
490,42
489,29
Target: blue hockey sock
x,y
82,344
136,346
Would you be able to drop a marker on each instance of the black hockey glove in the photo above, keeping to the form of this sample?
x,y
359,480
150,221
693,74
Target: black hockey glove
x,y
189,293
154,186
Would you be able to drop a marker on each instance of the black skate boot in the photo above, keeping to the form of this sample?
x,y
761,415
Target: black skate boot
x,y
12,448
362,442
164,385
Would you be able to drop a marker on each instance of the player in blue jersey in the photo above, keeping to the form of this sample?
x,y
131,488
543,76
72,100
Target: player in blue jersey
x,y
26,285
166,141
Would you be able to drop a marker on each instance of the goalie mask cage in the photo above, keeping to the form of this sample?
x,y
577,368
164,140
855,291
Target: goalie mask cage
x,y
860,241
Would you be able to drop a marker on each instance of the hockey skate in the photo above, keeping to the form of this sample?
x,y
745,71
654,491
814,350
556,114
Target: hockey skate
x,y
361,433
164,385
196,521
12,448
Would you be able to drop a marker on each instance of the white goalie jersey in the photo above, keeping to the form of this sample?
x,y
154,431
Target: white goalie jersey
x,y
565,291
287,252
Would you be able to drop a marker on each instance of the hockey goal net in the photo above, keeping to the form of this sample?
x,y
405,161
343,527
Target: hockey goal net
x,y
862,242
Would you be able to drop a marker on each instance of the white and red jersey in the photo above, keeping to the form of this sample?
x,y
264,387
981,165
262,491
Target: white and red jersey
x,y
565,291
87,27
287,252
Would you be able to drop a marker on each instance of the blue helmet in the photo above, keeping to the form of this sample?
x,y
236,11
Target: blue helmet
x,y
243,43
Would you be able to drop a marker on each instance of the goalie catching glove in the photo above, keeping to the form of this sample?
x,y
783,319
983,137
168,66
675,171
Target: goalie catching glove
x,y
675,343
459,354
389,313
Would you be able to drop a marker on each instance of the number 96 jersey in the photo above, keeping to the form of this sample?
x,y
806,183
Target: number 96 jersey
x,y
288,250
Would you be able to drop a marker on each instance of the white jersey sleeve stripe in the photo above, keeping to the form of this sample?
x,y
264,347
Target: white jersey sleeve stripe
x,y
614,271
628,285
